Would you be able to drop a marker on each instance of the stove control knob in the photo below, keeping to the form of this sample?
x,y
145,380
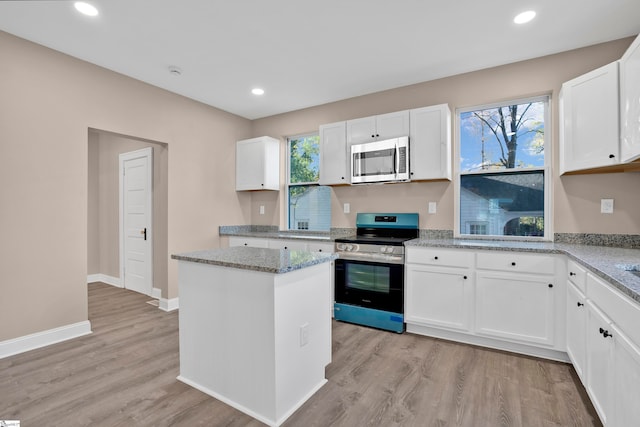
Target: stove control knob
x,y
349,248
341,246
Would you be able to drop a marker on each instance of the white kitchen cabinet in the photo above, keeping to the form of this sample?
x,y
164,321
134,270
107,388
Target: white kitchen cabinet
x,y
576,328
599,373
334,165
626,382
248,241
430,143
590,120
439,297
320,247
516,307
376,128
258,164
630,103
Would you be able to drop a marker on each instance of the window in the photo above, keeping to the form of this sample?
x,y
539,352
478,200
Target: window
x,y
503,179
309,203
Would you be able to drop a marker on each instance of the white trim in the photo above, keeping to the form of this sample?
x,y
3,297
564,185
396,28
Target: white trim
x,y
168,304
144,152
109,280
41,339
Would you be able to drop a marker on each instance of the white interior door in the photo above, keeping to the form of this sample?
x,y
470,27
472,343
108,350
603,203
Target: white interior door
x,y
135,220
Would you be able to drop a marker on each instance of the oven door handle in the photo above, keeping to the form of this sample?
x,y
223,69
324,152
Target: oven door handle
x,y
374,259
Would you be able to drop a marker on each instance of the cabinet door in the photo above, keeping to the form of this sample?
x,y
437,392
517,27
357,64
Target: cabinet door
x,y
392,125
258,164
430,139
626,381
320,247
599,362
515,307
590,120
361,130
333,154
630,103
576,328
438,297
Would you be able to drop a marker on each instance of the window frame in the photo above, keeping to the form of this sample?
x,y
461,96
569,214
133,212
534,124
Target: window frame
x,y
289,184
547,170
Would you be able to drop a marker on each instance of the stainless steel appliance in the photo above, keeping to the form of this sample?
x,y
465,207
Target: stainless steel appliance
x,y
369,272
380,161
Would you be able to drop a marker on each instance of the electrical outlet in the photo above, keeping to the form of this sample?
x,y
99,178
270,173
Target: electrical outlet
x,y
261,209
347,208
606,206
432,207
304,334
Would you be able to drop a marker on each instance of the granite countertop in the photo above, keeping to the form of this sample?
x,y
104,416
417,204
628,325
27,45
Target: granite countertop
x,y
276,261
610,263
272,232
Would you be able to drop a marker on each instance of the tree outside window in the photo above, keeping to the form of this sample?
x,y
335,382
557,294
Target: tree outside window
x,y
309,203
502,169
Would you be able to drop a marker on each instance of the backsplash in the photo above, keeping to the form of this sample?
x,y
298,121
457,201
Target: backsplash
x,y
630,241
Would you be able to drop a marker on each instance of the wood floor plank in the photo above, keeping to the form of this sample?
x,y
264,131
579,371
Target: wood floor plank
x,y
124,374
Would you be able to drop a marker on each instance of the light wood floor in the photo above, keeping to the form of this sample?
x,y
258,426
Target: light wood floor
x,y
124,374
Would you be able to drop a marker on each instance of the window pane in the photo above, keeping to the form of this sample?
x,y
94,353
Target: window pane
x,y
502,204
507,137
304,159
309,207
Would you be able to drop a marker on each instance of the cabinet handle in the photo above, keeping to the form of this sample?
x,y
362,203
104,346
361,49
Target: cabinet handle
x,y
606,334
580,304
601,330
571,273
319,250
611,156
551,285
464,277
513,264
286,247
377,134
373,136
435,257
245,244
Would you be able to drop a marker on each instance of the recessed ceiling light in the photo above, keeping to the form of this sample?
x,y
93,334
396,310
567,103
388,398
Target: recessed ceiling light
x,y
257,91
524,17
86,8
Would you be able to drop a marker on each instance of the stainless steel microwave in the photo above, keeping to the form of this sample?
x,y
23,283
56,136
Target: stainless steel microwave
x,y
380,161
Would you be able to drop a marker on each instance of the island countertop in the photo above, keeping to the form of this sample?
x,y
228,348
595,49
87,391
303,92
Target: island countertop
x,y
276,261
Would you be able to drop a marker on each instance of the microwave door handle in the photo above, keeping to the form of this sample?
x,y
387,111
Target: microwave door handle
x,y
396,160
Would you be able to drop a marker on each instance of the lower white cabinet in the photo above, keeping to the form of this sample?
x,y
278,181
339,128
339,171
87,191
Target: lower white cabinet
x,y
298,245
599,362
612,374
576,328
516,307
439,297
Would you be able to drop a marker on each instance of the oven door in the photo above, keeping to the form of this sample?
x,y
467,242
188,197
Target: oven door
x,y
370,284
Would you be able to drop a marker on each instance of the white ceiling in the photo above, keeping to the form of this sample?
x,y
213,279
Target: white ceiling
x,y
305,53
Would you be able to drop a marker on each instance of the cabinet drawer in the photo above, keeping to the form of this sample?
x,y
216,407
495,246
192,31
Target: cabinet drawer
x,y
577,275
516,262
440,257
248,241
622,311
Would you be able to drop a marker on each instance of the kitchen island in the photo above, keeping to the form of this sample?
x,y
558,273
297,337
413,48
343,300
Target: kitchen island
x,y
255,327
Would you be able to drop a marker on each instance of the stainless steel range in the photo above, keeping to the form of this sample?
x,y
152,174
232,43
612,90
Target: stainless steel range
x,y
369,273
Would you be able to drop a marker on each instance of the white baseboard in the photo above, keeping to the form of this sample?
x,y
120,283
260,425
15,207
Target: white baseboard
x,y
168,304
109,280
44,338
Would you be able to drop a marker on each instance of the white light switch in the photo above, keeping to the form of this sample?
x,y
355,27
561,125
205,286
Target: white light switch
x,y
606,206
304,334
261,209
432,207
347,208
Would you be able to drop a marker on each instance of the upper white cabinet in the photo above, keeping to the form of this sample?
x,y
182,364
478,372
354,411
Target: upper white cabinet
x,y
334,167
590,120
375,128
430,143
630,103
258,164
